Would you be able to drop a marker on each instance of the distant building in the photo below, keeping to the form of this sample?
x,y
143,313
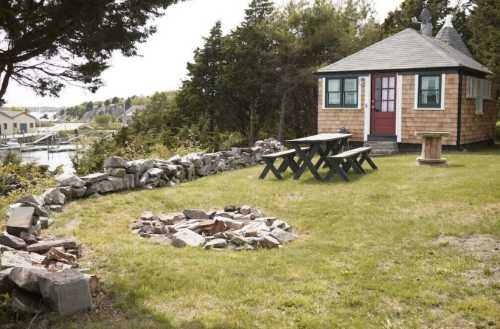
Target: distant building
x,y
16,122
407,83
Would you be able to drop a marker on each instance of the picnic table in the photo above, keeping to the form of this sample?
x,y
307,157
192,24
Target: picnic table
x,y
324,145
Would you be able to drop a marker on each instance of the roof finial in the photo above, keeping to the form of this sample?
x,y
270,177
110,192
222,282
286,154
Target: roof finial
x,y
448,21
426,22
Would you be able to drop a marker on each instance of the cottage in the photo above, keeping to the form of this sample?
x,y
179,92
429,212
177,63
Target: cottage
x,y
16,122
407,83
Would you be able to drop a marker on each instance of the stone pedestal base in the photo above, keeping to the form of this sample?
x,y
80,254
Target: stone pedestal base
x,y
435,163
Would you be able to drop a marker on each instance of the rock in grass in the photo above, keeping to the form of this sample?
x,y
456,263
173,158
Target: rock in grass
x,y
12,241
44,246
195,214
70,181
187,237
282,235
68,291
27,278
216,243
19,219
115,162
95,178
54,196
269,241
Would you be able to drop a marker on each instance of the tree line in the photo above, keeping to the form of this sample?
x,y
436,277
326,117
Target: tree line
x,y
259,79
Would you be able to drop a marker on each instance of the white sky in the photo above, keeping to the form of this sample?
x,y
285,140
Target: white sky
x,y
164,56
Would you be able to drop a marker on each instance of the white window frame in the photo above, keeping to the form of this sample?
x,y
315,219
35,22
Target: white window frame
x,y
442,91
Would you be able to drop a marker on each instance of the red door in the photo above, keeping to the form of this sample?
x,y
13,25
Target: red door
x,y
383,112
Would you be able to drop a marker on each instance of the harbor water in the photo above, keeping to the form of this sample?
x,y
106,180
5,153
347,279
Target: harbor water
x,y
53,160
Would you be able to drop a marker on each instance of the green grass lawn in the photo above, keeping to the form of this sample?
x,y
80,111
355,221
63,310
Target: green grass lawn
x,y
366,256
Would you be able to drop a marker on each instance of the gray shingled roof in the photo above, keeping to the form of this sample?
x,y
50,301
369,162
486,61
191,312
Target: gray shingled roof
x,y
449,35
13,114
407,49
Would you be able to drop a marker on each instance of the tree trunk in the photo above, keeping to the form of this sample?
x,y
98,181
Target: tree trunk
x,y
251,134
282,115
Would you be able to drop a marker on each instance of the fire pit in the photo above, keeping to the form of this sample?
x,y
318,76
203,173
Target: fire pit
x,y
236,228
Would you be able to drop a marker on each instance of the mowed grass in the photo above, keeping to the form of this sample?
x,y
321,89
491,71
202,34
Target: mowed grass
x,y
365,257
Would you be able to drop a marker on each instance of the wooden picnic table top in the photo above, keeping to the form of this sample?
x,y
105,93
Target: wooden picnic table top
x,y
326,137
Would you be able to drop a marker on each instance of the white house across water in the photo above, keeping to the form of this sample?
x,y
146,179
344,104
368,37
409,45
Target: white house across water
x,y
16,122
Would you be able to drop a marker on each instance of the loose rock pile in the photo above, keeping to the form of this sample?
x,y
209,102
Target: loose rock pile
x,y
41,273
238,228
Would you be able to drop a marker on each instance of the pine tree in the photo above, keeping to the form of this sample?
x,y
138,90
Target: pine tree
x,y
484,25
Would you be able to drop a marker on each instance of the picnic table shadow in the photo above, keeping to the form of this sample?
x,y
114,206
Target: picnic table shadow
x,y
308,178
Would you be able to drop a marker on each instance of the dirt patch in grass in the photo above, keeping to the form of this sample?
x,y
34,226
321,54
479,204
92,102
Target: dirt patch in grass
x,y
482,247
488,277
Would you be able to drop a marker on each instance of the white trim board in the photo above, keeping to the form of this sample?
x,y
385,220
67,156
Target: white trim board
x,y
367,106
399,104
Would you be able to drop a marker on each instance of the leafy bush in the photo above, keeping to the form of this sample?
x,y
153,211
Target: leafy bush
x,y
103,120
498,131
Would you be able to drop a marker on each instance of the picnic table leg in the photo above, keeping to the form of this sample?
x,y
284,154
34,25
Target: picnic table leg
x,y
284,165
356,166
270,167
306,158
337,168
370,161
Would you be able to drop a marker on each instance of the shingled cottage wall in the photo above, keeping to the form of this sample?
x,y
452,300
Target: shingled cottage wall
x,y
477,127
414,120
329,120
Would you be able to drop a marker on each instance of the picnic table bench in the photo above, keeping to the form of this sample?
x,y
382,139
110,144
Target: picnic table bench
x,y
288,157
323,145
341,163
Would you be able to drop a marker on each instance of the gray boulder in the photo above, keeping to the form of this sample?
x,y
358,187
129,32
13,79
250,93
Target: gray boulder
x,y
27,278
116,172
195,214
187,237
95,178
282,235
54,196
12,241
115,162
216,243
68,291
19,219
118,183
70,180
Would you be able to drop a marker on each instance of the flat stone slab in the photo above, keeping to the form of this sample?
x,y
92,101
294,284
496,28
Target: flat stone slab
x,y
94,178
68,291
187,237
20,219
17,258
12,241
195,214
44,246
